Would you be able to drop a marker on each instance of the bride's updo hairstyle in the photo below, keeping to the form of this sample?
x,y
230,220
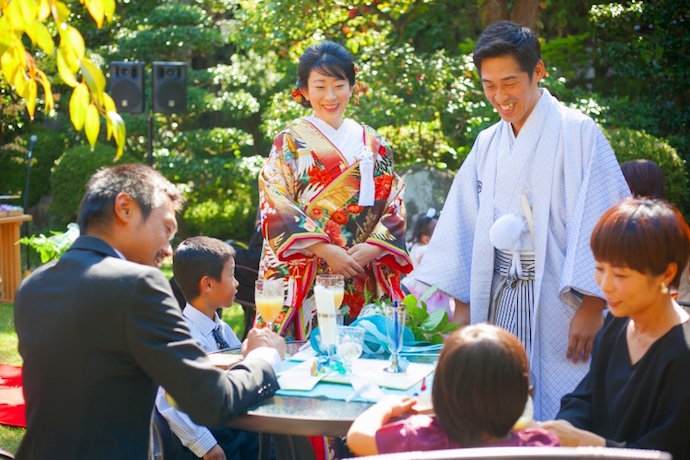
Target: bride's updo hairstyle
x,y
327,58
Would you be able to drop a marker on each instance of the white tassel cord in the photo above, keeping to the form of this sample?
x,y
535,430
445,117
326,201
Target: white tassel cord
x,y
366,171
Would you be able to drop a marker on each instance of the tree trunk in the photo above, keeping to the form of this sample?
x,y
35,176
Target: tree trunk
x,y
494,10
526,13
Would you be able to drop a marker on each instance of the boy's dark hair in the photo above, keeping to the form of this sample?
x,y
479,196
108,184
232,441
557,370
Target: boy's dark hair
x,y
197,257
481,384
505,38
146,186
645,178
327,58
424,226
644,235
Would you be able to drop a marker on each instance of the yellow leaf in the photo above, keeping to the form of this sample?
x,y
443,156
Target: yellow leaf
x,y
108,128
108,103
61,11
94,78
64,70
92,125
72,50
96,10
109,106
5,38
119,132
31,98
29,10
74,40
43,10
21,84
43,38
3,4
109,6
50,102
14,15
9,63
30,31
77,105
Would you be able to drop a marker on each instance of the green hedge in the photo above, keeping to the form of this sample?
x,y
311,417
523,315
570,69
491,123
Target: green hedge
x,y
629,144
222,194
49,146
70,174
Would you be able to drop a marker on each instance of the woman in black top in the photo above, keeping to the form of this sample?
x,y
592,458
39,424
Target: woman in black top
x,y
637,392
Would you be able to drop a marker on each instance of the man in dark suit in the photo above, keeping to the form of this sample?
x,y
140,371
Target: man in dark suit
x,y
99,330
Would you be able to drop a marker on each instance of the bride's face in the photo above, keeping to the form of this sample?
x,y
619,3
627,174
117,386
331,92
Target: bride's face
x,y
328,96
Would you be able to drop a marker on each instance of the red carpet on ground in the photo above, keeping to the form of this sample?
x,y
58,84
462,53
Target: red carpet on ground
x,y
12,406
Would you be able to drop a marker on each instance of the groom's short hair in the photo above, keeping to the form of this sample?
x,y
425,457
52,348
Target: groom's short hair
x,y
505,38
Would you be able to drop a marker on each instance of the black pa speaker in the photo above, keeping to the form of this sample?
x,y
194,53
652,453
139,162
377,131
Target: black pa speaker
x,y
127,86
169,87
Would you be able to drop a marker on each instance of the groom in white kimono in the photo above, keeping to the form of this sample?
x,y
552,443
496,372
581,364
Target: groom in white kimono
x,y
512,243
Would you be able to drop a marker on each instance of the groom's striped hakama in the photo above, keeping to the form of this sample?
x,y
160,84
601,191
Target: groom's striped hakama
x,y
512,297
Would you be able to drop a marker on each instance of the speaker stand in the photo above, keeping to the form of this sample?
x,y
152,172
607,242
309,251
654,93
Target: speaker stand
x,y
149,158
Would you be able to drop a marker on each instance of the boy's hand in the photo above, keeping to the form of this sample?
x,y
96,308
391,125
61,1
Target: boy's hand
x,y
263,338
216,453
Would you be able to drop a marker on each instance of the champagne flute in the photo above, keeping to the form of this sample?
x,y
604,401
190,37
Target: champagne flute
x,y
396,315
269,297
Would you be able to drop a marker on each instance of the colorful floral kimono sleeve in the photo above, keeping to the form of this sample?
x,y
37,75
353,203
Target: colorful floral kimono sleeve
x,y
286,228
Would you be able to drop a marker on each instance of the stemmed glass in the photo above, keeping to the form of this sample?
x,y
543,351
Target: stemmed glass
x,y
269,297
396,315
328,293
350,344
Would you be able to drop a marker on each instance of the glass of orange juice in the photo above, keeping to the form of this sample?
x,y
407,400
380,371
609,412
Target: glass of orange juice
x,y
269,297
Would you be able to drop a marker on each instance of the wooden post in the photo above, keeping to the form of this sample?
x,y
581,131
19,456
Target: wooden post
x,y
10,255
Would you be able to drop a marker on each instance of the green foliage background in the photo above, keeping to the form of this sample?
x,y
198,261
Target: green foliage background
x,y
70,174
625,64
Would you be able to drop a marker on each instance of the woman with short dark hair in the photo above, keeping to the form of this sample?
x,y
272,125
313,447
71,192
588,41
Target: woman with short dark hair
x,y
479,392
637,391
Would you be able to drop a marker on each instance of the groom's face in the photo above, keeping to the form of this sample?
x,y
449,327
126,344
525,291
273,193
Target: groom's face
x,y
512,91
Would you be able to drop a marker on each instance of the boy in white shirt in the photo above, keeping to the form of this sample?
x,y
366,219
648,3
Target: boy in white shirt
x,y
204,269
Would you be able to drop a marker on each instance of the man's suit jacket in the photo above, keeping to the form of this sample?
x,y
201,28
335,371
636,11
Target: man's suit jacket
x,y
98,334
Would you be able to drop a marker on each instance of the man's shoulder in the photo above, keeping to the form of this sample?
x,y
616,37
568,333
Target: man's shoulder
x,y
573,117
487,134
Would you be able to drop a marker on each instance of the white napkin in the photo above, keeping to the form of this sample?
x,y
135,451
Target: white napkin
x,y
365,388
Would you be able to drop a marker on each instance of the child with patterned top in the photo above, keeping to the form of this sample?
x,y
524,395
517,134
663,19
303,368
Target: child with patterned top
x,y
204,270
479,392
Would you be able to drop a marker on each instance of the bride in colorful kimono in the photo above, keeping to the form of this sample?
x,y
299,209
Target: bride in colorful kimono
x,y
330,199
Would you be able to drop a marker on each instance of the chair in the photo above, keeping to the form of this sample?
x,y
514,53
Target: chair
x,y
4,455
523,453
245,294
162,437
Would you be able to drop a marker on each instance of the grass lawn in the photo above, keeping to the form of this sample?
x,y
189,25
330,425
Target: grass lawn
x,y
10,437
